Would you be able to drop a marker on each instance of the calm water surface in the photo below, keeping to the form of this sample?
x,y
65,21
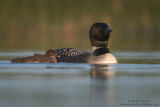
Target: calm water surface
x,y
135,81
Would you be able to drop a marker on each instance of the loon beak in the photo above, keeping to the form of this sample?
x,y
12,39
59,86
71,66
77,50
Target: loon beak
x,y
108,30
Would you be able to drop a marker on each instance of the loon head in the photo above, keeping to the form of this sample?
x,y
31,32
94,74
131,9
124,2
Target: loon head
x,y
51,53
99,35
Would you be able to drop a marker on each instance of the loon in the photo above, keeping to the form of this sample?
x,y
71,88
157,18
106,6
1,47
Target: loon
x,y
99,35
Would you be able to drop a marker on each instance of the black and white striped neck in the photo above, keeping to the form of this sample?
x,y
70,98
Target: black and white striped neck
x,y
100,50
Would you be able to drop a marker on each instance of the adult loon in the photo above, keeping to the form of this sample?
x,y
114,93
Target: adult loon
x,y
99,35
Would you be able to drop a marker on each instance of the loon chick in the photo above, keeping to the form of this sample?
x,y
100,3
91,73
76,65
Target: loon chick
x,y
99,36
49,57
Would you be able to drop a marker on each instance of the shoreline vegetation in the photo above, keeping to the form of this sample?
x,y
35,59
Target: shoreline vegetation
x,y
49,24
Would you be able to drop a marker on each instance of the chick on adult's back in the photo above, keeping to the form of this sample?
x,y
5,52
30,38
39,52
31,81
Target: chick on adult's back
x,y
99,35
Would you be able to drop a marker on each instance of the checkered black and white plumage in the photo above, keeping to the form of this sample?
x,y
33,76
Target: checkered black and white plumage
x,y
71,55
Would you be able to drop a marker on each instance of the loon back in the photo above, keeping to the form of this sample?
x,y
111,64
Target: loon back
x,y
71,55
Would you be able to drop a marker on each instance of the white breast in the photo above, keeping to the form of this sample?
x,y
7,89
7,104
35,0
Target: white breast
x,y
107,59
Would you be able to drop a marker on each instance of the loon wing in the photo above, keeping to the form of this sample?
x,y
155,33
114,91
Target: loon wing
x,y
71,55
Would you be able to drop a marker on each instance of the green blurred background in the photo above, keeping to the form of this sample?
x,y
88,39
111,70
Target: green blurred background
x,y
48,24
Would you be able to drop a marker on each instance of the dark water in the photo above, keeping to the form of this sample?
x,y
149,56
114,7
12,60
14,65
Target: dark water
x,y
134,81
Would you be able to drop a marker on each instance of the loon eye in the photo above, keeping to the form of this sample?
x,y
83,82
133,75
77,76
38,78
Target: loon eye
x,y
98,29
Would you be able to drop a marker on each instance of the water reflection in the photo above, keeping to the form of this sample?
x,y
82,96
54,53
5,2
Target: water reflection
x,y
102,71
98,94
100,90
80,85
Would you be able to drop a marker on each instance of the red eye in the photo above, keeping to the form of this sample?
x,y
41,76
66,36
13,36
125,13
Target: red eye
x,y
98,29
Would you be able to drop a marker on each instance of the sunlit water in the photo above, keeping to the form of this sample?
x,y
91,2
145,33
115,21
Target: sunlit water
x,y
135,81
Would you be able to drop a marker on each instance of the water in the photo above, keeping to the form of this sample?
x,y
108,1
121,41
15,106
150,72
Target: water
x,y
133,82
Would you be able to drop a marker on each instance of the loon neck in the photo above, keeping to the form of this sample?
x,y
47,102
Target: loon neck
x,y
100,50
